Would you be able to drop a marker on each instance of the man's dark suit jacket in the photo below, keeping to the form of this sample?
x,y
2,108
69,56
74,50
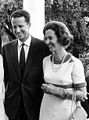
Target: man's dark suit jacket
x,y
30,86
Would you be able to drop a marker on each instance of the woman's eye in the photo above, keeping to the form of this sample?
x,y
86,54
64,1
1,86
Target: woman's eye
x,y
47,38
50,38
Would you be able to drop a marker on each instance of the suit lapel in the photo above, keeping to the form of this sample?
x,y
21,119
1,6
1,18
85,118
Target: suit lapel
x,y
15,57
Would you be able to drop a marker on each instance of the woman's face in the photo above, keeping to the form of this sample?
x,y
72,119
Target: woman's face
x,y
50,39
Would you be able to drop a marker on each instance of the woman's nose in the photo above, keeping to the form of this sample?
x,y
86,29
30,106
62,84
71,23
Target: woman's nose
x,y
47,41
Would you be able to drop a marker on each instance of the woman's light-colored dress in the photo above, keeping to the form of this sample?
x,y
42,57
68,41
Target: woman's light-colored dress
x,y
2,91
56,108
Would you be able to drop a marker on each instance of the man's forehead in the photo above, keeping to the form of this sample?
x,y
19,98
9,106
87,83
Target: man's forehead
x,y
18,20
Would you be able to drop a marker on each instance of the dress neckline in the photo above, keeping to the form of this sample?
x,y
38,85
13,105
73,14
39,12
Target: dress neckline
x,y
68,56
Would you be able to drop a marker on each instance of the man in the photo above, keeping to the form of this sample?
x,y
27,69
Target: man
x,y
23,70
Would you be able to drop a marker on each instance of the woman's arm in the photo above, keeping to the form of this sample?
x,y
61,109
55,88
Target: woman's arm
x,y
51,89
64,93
78,78
80,94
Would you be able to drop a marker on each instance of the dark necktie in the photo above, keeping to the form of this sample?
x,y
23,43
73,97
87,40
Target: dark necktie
x,y
22,60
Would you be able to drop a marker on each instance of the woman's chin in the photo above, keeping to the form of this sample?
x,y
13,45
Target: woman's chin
x,y
51,50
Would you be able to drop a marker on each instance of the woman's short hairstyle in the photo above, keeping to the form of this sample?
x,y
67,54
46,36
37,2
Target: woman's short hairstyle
x,y
21,13
61,31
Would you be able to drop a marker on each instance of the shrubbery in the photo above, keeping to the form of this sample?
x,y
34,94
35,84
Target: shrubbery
x,y
72,13
6,8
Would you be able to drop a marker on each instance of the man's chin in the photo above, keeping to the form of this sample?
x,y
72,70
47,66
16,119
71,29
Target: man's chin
x,y
21,39
19,36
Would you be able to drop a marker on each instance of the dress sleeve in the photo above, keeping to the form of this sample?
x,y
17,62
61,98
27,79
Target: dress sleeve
x,y
78,76
2,91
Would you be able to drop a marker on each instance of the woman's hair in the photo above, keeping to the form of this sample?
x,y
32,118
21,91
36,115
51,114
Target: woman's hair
x,y
21,13
61,31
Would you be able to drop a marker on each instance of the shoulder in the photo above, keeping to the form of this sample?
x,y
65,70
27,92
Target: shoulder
x,y
8,47
37,41
77,63
76,60
10,43
40,46
47,58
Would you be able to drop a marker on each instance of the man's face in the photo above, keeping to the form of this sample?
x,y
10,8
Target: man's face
x,y
20,28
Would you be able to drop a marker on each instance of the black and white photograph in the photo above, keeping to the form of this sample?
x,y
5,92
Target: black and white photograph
x,y
44,60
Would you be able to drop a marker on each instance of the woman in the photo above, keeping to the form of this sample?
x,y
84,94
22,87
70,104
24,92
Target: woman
x,y
63,75
2,91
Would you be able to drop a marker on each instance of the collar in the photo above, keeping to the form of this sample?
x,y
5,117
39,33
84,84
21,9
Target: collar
x,y
27,42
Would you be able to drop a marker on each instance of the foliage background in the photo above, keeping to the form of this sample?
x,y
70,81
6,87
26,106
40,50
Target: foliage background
x,y
72,13
6,8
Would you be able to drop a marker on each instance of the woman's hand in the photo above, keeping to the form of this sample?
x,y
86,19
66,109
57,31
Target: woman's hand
x,y
51,89
79,95
47,88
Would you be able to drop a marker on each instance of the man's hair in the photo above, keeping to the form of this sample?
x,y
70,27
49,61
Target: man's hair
x,y
21,13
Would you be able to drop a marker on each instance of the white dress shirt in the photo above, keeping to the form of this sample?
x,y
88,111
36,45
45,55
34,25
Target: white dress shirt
x,y
26,47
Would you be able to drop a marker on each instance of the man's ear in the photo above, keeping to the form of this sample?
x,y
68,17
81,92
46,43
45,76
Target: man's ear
x,y
29,24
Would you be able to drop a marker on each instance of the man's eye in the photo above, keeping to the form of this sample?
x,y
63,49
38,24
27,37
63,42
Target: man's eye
x,y
14,27
20,26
